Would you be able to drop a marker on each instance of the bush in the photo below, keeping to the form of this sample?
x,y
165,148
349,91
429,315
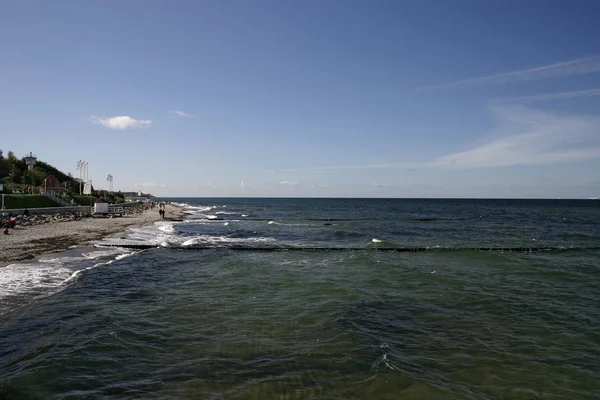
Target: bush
x,y
84,200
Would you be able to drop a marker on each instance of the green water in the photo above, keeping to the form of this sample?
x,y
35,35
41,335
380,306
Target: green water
x,y
213,324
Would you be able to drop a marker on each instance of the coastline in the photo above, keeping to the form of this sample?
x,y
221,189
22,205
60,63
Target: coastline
x,y
29,242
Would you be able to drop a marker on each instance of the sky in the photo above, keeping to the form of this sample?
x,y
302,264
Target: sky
x,y
312,98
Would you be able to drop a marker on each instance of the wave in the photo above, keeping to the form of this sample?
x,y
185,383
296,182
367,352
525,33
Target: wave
x,y
23,283
224,241
234,244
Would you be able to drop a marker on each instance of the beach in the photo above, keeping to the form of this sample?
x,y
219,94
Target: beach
x,y
27,242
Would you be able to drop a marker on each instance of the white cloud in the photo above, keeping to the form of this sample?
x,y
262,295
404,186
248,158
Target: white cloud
x,y
578,66
121,122
180,113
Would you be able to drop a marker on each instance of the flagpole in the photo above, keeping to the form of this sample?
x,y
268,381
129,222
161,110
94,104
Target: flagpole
x,y
79,169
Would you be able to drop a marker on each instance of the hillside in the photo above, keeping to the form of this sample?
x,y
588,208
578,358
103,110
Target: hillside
x,y
18,180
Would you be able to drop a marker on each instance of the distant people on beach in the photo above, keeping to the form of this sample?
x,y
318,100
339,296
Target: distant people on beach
x,y
6,232
26,212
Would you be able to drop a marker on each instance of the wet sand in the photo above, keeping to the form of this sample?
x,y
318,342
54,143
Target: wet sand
x,y
27,242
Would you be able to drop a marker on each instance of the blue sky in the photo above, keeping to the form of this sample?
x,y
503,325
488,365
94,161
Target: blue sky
x,y
308,98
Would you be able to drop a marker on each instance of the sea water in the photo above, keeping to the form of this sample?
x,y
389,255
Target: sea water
x,y
209,313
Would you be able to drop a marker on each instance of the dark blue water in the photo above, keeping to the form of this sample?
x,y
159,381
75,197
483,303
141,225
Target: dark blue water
x,y
232,322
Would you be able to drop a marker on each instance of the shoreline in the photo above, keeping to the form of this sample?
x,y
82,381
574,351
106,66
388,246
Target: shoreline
x,y
30,242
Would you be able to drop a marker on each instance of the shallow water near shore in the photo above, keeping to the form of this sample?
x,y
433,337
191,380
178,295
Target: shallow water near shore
x,y
232,322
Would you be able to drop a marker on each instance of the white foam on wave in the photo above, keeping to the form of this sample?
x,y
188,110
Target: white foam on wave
x,y
122,256
30,277
57,259
23,283
196,211
207,240
376,240
191,242
103,253
199,208
162,231
282,224
167,227
78,273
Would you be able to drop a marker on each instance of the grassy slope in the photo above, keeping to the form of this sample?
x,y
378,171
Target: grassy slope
x,y
85,200
12,201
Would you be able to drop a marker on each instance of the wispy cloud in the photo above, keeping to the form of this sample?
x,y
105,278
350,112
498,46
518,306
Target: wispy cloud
x,y
555,96
181,114
290,184
357,166
578,66
121,122
150,185
533,137
524,136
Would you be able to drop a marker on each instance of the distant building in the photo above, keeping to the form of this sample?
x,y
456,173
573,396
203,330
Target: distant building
x,y
136,196
100,206
52,185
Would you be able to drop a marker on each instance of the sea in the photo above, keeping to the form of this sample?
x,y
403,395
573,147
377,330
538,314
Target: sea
x,y
283,298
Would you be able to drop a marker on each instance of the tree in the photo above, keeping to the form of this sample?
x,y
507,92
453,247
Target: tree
x,y
4,166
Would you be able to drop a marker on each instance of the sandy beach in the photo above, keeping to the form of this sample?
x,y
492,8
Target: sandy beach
x,y
27,242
